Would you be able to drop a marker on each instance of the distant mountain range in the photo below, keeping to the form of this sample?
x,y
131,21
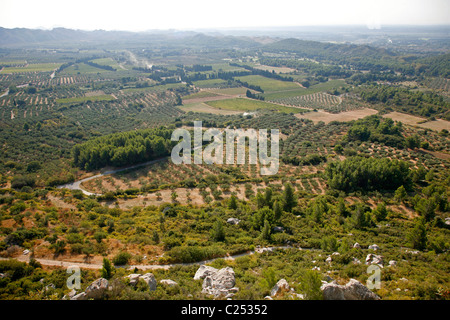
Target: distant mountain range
x,y
21,37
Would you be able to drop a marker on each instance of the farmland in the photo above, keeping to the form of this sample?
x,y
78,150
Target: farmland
x,y
250,105
269,85
364,158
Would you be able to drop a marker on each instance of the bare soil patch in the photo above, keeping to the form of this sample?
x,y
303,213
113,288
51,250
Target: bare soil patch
x,y
411,120
343,116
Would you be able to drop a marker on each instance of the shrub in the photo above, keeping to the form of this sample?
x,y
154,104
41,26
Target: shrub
x,y
122,258
310,284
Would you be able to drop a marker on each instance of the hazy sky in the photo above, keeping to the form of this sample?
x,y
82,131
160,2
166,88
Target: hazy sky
x,y
191,14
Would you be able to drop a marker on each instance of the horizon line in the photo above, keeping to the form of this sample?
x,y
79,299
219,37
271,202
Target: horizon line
x,y
237,28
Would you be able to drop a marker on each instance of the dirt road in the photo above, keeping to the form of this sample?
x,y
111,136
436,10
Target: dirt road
x,y
98,266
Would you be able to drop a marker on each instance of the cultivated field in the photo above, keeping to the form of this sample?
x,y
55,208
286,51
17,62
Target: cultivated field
x,y
267,84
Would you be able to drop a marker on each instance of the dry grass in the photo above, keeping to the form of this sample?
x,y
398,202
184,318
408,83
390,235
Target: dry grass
x,y
343,116
411,120
203,107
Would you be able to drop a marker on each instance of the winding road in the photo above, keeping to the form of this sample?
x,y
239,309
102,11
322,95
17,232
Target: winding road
x,y
77,184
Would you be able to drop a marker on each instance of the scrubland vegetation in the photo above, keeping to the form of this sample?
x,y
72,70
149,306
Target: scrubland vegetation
x,y
372,180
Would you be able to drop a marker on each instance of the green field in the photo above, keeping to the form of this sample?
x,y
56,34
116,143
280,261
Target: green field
x,y
200,94
82,68
37,67
108,62
103,97
241,104
269,85
154,88
225,67
231,91
212,83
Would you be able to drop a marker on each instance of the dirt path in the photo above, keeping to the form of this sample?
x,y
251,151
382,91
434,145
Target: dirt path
x,y
77,184
97,266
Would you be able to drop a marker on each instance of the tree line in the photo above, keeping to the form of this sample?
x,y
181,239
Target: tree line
x,y
368,174
121,149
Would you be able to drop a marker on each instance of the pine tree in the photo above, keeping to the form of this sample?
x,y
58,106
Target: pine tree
x,y
260,200
268,197
278,210
107,269
400,194
418,235
288,197
218,232
265,233
233,202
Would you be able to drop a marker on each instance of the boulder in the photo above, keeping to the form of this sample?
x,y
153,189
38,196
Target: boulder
x,y
277,229
224,278
281,286
392,263
219,283
234,221
168,282
70,295
356,245
374,259
97,289
353,290
80,296
150,280
134,278
262,250
204,271
374,247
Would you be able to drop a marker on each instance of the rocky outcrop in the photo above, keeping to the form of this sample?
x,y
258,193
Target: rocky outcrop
x,y
353,290
97,289
204,271
134,278
218,283
281,286
148,278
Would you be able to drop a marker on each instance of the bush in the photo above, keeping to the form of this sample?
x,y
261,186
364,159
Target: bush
x,y
18,182
121,258
310,284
